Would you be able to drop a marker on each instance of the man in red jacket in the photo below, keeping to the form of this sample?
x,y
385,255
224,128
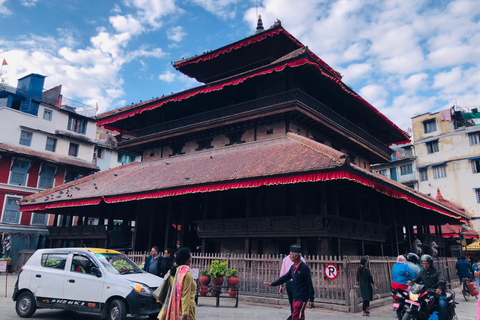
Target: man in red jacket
x,y
302,286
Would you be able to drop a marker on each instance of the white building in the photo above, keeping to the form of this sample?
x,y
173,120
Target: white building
x,y
447,146
45,141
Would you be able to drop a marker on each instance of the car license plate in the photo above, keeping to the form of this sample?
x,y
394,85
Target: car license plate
x,y
396,305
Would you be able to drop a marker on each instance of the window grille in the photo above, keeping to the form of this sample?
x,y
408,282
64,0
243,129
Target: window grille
x,y
11,213
39,219
47,177
477,192
439,172
476,166
18,175
432,146
73,150
406,169
423,174
78,125
51,144
383,172
25,138
474,138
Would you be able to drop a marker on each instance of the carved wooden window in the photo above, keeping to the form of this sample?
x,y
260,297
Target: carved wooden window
x,y
12,212
236,137
47,177
204,144
177,148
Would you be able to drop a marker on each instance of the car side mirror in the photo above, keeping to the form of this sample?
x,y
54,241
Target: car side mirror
x,y
95,271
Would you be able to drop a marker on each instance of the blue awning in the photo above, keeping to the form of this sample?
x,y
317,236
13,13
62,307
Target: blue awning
x,y
476,188
422,167
436,164
429,140
473,158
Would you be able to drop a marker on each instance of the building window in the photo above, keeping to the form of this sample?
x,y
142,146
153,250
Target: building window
x,y
406,169
12,212
474,138
47,177
423,174
39,219
51,144
47,115
124,159
382,172
429,126
393,173
204,144
77,124
477,192
439,172
97,153
177,148
72,175
235,138
73,150
18,175
476,166
432,146
26,138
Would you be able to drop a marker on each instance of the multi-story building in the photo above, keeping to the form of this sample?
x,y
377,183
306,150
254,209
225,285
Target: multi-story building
x,y
45,141
447,146
272,149
402,168
106,154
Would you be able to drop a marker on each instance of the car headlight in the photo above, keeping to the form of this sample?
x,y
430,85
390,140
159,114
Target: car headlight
x,y
141,288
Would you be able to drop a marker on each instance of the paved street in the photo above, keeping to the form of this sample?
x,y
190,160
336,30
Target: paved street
x,y
207,310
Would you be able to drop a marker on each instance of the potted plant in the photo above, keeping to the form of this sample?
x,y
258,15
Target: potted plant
x,y
232,292
232,277
203,291
204,277
217,272
9,260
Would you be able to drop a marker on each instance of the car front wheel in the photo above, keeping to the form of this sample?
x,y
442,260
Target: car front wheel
x,y
25,305
117,310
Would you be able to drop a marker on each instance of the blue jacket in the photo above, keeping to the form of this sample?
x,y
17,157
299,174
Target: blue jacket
x,y
159,266
464,269
401,273
302,286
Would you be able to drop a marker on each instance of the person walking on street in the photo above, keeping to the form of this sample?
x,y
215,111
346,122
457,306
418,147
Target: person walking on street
x,y
476,273
365,282
302,286
286,265
181,302
153,264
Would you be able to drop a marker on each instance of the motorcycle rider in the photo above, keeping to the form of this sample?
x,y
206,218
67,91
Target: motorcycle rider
x,y
412,260
431,277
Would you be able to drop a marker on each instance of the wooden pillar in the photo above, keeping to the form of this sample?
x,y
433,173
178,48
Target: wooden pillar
x,y
55,223
80,220
183,230
395,228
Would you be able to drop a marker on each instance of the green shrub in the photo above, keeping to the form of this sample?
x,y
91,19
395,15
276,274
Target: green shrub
x,y
218,269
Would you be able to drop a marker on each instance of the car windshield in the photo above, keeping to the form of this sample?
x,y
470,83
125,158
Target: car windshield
x,y
118,263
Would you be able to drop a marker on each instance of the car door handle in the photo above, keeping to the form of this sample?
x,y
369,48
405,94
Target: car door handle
x,y
38,275
71,281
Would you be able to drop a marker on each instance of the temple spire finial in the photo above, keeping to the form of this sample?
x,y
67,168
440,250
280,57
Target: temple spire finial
x,y
259,24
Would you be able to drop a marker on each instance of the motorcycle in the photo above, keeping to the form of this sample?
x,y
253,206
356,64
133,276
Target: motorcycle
x,y
399,297
422,303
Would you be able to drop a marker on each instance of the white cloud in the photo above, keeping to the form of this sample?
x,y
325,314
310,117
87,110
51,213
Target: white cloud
x,y
167,76
356,71
28,3
375,94
4,10
151,11
176,34
415,82
224,9
126,24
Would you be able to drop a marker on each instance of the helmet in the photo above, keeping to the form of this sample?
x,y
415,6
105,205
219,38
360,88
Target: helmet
x,y
426,257
412,257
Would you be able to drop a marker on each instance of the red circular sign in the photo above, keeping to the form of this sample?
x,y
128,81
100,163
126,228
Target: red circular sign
x,y
331,271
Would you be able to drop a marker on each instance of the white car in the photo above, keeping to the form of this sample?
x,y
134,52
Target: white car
x,y
92,280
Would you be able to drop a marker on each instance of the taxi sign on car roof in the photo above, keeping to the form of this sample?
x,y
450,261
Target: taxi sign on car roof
x,y
99,250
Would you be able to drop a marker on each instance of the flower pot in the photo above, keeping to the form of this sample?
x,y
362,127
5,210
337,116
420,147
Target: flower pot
x,y
203,291
232,292
233,281
204,280
218,281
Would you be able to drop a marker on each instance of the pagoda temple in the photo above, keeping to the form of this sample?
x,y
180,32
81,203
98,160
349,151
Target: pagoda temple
x,y
272,148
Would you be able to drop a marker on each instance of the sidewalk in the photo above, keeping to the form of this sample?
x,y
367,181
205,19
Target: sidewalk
x,y
247,309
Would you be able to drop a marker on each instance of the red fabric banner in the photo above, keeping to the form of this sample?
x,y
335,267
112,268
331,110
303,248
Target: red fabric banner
x,y
63,204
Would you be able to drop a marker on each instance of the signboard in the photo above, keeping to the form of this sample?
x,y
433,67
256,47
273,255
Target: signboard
x,y
331,271
195,272
3,266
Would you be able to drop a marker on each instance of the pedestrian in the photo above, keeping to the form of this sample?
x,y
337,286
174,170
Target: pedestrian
x,y
476,273
401,274
153,263
302,286
168,261
286,265
365,282
464,270
181,302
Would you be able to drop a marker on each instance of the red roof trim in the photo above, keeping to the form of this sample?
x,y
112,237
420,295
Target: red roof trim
x,y
315,177
238,46
237,81
63,204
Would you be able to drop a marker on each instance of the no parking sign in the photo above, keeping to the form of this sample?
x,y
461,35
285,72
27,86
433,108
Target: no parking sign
x,y
331,271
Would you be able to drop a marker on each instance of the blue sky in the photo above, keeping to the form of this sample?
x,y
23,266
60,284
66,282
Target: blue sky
x,y
405,57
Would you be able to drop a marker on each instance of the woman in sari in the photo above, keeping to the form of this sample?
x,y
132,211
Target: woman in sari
x,y
181,301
